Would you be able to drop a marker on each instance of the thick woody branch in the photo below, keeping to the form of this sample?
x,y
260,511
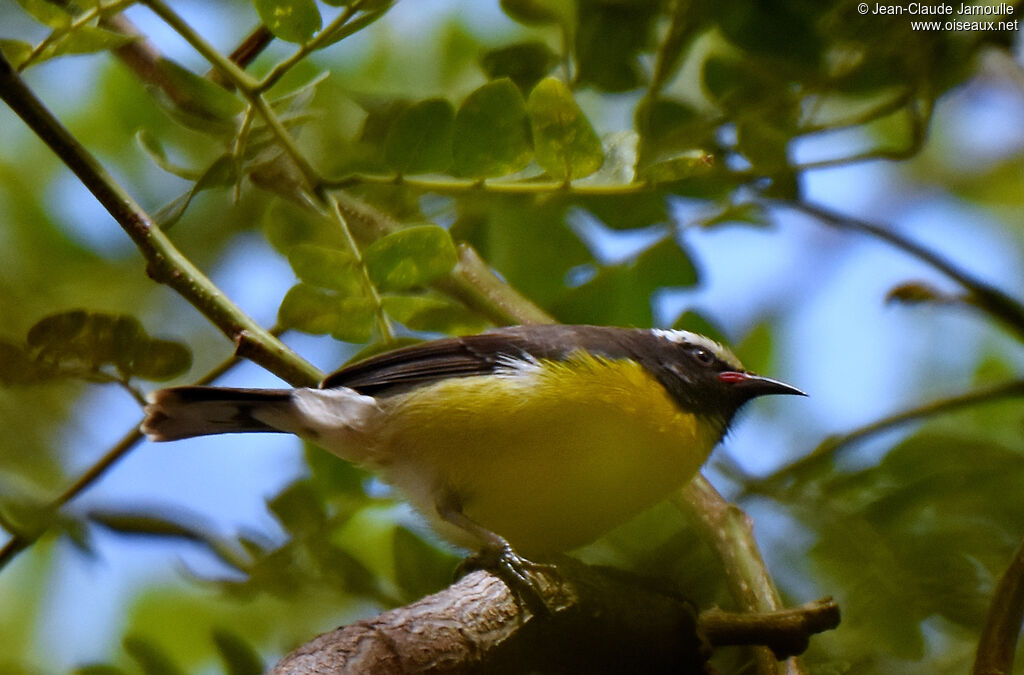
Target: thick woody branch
x,y
600,621
730,532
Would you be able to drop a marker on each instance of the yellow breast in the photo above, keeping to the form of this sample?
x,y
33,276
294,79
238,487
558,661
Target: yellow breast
x,y
550,456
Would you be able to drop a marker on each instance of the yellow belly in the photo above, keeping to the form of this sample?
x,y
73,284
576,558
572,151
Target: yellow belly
x,y
549,458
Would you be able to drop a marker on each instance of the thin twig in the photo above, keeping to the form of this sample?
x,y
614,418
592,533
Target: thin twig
x,y
79,21
166,264
245,53
998,642
283,67
20,540
833,446
984,296
237,76
245,83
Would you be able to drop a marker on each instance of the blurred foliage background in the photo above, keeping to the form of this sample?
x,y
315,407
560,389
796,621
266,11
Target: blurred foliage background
x,y
839,195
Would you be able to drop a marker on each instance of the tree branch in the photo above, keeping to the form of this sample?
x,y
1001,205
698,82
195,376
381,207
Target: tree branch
x,y
166,264
989,299
601,621
730,532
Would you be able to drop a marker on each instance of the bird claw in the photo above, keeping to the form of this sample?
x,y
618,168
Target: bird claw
x,y
517,572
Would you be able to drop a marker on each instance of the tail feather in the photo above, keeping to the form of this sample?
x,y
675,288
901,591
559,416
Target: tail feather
x,y
184,412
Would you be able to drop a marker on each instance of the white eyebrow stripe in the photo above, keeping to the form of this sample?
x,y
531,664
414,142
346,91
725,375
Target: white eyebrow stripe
x,y
681,337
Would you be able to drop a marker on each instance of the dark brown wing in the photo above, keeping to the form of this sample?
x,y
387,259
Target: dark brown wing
x,y
473,355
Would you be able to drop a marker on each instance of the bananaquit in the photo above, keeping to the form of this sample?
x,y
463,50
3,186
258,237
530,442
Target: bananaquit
x,y
534,439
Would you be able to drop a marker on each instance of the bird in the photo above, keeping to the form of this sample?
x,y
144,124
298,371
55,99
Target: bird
x,y
518,443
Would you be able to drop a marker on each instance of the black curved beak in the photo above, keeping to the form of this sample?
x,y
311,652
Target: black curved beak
x,y
751,386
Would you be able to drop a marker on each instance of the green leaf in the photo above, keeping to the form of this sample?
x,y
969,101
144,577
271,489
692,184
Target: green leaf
x,y
764,144
47,13
626,212
871,581
327,268
98,669
80,340
492,134
916,293
620,295
757,349
734,84
290,20
159,360
200,104
565,144
669,127
679,167
151,145
221,172
498,230
686,22
87,40
372,11
381,115
420,568
432,313
78,337
335,478
15,51
781,30
299,508
17,366
884,531
524,63
321,312
148,524
286,226
411,257
540,12
239,657
152,660
609,41
308,309
420,140
26,516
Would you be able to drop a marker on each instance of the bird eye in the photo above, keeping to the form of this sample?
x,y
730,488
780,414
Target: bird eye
x,y
703,356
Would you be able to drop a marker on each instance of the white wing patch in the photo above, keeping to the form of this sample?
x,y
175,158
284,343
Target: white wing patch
x,y
685,337
509,366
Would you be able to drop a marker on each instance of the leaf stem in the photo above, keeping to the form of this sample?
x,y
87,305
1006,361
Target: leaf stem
x,y
383,323
464,185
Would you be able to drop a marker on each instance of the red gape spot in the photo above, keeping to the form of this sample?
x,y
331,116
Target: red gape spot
x,y
732,376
